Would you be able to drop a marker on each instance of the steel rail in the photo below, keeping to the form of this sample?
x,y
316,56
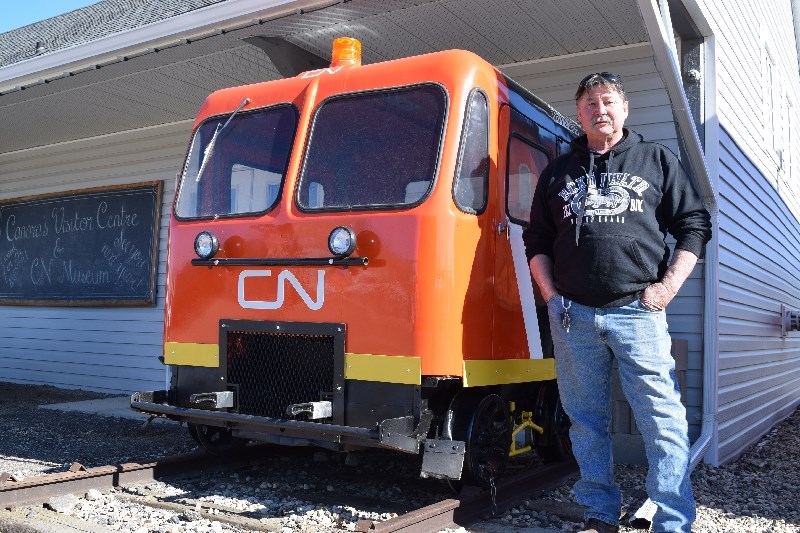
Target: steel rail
x,y
79,479
472,503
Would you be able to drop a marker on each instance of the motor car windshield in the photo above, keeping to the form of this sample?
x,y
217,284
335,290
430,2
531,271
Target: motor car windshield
x,y
374,150
244,172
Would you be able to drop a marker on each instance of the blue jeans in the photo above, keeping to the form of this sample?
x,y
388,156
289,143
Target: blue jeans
x,y
639,340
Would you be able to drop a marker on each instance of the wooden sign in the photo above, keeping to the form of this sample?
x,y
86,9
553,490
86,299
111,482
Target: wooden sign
x,y
90,247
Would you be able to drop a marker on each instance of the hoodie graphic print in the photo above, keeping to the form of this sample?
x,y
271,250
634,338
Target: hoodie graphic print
x,y
607,197
603,219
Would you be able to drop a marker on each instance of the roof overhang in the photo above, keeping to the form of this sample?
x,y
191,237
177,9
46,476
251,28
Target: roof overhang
x,y
192,26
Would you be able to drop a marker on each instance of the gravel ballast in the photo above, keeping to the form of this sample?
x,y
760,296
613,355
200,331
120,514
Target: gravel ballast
x,y
755,494
41,441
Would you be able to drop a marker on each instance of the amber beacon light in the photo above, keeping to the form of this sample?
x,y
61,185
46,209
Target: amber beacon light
x,y
346,51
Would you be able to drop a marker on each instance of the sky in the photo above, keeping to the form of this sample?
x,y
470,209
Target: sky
x,y
17,13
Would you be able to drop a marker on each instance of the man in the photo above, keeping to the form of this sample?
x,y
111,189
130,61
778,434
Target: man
x,y
596,247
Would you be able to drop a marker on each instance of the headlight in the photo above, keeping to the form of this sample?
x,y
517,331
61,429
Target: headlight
x,y
206,245
342,241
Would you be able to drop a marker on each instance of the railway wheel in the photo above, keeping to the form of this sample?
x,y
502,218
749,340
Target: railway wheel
x,y
215,440
554,445
484,423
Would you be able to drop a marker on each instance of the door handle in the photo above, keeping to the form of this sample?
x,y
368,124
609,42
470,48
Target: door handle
x,y
503,227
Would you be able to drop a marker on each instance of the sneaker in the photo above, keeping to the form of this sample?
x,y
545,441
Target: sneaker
x,y
593,525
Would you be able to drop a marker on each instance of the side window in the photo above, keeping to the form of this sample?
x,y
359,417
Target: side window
x,y
470,189
525,165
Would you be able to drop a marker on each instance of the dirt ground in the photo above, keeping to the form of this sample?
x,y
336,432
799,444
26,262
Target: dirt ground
x,y
34,440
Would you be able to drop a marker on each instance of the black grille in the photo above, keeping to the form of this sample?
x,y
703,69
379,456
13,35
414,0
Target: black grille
x,y
274,370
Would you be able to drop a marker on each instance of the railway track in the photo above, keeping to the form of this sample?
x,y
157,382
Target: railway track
x,y
78,479
473,503
130,485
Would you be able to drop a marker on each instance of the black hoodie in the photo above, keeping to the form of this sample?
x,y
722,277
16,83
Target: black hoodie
x,y
638,191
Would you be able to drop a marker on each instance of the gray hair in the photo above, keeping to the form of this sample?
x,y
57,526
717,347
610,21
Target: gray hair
x,y
605,79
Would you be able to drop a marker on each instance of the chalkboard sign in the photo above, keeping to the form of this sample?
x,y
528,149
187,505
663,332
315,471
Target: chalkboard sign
x,y
90,247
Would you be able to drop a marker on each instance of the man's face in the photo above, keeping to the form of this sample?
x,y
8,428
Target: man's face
x,y
602,112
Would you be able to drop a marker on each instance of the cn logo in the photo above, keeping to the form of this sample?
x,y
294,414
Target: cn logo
x,y
283,277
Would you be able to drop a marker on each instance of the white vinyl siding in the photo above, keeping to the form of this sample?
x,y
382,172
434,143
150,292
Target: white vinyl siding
x,y
105,349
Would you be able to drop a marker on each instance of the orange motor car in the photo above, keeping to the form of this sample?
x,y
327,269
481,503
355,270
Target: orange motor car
x,y
346,269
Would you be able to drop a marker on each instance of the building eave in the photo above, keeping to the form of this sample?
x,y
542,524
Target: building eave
x,y
192,25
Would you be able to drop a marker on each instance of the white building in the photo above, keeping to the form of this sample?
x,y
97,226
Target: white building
x,y
104,96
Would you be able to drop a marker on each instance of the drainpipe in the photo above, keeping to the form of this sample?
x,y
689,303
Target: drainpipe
x,y
659,29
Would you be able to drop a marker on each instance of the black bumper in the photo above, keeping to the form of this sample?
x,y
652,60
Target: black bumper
x,y
392,433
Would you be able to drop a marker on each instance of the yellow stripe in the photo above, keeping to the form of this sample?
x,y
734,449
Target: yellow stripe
x,y
191,354
501,371
383,368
